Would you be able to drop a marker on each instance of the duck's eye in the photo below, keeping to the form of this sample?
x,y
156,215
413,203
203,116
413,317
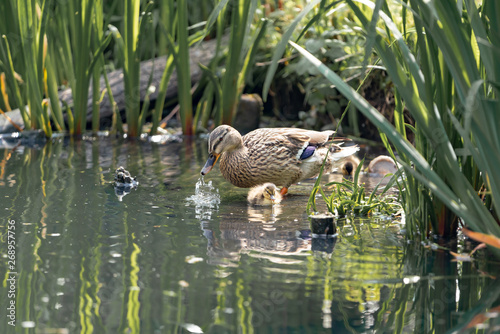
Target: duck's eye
x,y
220,138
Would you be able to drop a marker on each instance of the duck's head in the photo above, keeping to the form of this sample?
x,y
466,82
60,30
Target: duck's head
x,y
223,139
271,193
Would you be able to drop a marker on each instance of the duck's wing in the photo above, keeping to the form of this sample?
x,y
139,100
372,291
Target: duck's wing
x,y
314,138
279,144
286,143
307,142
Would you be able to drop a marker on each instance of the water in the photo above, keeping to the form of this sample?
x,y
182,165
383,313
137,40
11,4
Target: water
x,y
206,199
181,254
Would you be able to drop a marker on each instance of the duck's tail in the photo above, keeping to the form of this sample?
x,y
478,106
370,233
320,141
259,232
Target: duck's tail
x,y
337,152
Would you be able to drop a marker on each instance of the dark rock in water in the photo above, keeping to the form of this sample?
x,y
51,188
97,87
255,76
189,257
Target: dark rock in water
x,y
247,116
124,183
322,224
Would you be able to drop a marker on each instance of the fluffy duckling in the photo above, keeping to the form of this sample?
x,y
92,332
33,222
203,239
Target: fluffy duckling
x,y
350,165
382,165
265,194
283,156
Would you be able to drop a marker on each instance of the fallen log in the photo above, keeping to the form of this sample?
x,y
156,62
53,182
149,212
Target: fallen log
x,y
201,54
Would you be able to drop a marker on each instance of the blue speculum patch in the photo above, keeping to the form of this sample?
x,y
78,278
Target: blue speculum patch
x,y
307,152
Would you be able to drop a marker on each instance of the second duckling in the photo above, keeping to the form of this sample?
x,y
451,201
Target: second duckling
x,y
382,165
350,165
264,194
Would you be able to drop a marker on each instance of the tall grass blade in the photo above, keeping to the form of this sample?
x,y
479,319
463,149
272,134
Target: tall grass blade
x,y
183,69
131,65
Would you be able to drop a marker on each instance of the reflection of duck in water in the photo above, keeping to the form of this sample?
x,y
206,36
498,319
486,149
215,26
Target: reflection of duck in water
x,y
282,156
265,194
382,165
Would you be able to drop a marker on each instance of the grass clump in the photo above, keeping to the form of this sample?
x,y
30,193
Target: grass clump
x,y
349,197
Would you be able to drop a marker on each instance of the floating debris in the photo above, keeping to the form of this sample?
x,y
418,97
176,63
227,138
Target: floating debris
x,y
193,259
183,283
124,183
192,328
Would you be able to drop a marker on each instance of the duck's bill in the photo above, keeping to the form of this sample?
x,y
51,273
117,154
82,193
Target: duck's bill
x,y
212,159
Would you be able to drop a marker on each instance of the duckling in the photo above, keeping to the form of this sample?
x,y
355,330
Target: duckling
x,y
282,156
350,164
265,194
382,165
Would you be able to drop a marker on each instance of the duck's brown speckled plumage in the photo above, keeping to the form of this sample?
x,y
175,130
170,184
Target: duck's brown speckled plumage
x,y
272,155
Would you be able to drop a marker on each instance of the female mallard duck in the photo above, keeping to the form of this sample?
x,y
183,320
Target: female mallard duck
x,y
282,156
265,194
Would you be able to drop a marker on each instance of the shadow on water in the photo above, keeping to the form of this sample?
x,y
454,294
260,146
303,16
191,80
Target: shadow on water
x,y
164,260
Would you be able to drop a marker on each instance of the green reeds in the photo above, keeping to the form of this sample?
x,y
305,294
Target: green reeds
x,y
80,23
454,110
452,93
131,65
350,198
183,71
239,18
53,44
72,32
63,45
30,19
224,90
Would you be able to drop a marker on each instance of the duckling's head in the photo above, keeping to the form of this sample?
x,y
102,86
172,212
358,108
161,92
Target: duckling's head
x,y
224,138
271,192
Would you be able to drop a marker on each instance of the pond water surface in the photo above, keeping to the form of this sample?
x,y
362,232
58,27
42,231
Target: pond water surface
x,y
164,259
